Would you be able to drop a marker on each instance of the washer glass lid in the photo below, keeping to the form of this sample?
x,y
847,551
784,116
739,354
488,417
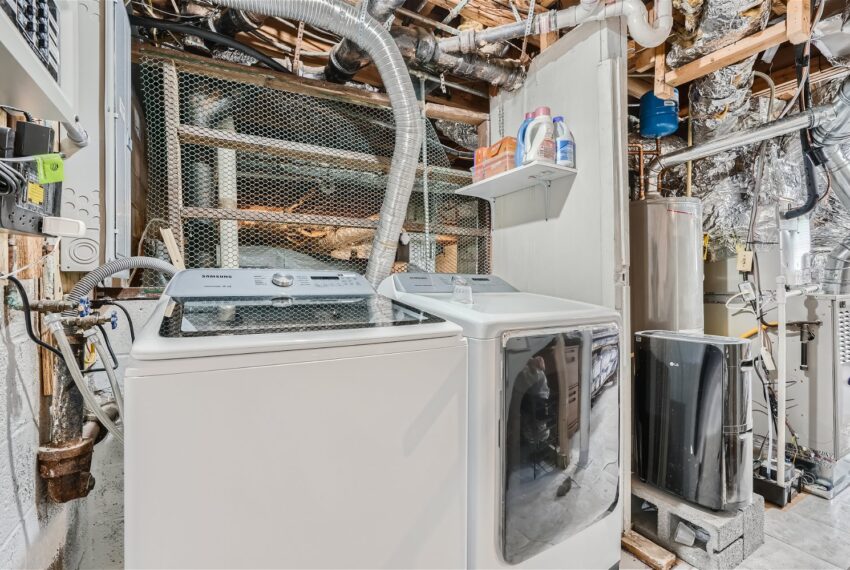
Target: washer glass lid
x,y
213,302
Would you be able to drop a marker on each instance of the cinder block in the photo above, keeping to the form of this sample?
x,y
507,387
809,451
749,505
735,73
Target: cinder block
x,y
754,525
731,536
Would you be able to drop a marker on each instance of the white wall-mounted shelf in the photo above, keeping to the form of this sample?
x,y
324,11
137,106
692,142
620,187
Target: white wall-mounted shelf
x,y
25,82
516,179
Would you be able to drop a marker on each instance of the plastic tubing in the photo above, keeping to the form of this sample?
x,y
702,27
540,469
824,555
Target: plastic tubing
x,y
90,280
54,323
91,334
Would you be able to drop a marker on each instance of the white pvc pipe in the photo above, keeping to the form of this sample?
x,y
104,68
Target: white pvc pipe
x,y
228,230
782,373
647,34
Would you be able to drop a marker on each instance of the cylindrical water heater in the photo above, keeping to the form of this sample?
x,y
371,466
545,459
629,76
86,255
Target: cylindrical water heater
x,y
666,264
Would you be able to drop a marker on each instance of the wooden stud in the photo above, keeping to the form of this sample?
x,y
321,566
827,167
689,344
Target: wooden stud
x,y
647,551
740,50
171,106
173,250
484,133
4,256
28,250
798,20
660,86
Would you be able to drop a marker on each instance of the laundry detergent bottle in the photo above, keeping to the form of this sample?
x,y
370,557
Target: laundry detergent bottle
x,y
519,155
565,144
540,137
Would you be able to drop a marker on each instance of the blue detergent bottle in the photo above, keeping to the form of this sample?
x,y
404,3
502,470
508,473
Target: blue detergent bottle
x,y
520,140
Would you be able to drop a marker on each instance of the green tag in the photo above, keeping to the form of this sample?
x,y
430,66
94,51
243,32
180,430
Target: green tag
x,y
51,168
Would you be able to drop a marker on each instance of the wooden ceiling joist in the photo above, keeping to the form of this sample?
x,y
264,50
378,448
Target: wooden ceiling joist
x,y
294,84
731,54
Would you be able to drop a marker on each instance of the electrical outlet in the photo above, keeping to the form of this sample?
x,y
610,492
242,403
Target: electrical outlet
x,y
745,261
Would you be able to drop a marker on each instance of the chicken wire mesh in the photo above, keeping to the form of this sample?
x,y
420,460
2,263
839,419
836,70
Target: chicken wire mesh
x,y
248,174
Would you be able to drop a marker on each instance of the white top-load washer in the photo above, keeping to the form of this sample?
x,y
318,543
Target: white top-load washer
x,y
543,421
294,419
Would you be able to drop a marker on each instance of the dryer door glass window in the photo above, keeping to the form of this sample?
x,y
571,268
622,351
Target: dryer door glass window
x,y
560,438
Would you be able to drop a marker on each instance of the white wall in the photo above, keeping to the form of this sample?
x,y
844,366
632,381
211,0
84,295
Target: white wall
x,y
33,533
580,251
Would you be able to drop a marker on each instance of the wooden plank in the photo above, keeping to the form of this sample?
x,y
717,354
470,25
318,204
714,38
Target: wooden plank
x,y
28,250
173,250
638,88
171,108
456,114
740,50
788,87
293,84
252,143
279,217
644,60
660,86
319,155
647,551
798,20
4,256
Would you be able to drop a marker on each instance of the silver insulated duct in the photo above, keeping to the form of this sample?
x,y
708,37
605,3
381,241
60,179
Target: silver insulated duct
x,y
350,23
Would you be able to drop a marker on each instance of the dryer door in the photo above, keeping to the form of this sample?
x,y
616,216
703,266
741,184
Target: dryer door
x,y
560,451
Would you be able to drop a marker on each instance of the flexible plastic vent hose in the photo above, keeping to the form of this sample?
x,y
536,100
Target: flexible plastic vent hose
x,y
90,280
356,25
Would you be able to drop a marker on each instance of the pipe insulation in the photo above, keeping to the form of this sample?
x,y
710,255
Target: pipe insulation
x,y
350,23
90,280
807,119
419,48
634,11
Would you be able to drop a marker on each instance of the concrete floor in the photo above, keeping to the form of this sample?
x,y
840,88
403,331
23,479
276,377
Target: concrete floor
x,y
810,533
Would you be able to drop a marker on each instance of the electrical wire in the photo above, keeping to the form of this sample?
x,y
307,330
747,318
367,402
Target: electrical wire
x,y
208,35
34,263
25,301
26,115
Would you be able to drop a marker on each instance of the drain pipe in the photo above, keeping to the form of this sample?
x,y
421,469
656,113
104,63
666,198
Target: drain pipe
x,y
348,22
637,18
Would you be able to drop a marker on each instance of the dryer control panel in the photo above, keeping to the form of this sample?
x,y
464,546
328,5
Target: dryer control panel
x,y
430,283
265,283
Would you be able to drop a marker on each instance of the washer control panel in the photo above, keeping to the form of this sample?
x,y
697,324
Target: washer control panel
x,y
430,283
219,283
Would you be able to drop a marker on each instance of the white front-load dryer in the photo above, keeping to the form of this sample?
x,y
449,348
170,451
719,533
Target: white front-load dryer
x,y
544,420
283,419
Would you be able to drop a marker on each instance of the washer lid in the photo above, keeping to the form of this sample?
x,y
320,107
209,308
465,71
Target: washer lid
x,y
491,314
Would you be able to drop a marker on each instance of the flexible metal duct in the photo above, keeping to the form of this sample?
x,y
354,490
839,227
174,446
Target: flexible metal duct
x,y
346,21
839,258
346,58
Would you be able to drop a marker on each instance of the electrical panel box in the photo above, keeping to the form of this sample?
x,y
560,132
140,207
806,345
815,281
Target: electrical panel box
x,y
97,178
38,22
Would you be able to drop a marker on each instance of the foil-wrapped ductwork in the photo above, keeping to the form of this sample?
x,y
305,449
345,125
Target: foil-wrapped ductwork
x,y
721,23
460,133
720,103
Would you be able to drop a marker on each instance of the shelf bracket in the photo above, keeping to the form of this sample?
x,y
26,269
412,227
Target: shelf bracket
x,y
545,185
